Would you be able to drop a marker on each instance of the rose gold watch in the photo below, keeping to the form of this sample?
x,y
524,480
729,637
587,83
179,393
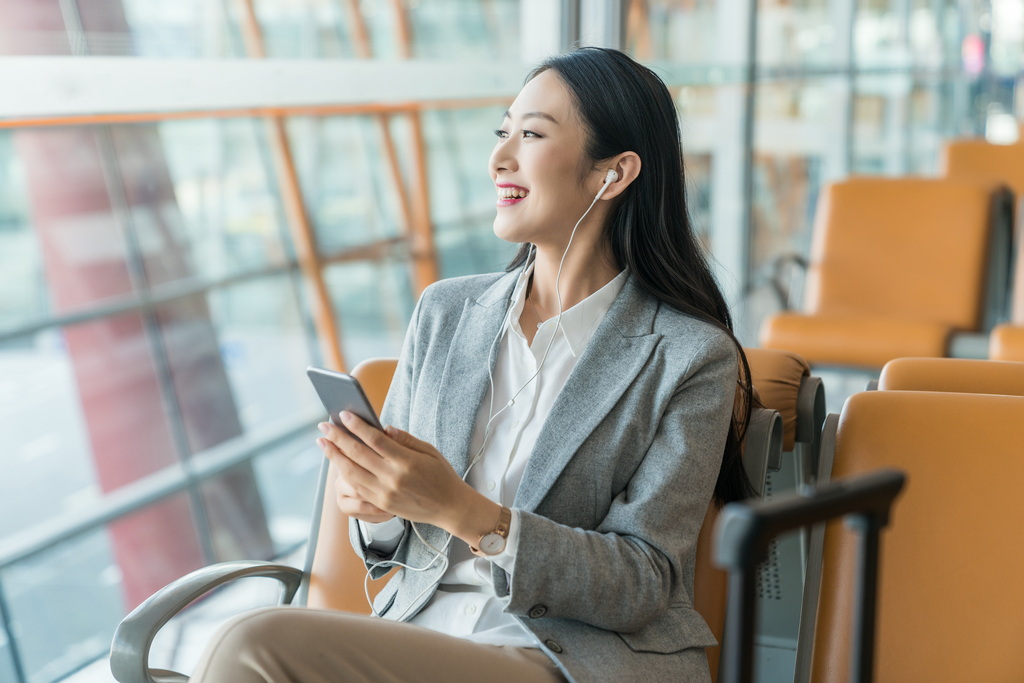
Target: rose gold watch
x,y
494,542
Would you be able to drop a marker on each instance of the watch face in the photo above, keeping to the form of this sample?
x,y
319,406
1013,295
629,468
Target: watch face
x,y
492,544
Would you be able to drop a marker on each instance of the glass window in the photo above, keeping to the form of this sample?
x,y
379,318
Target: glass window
x,y
791,142
66,602
179,29
347,180
438,29
462,198
671,31
23,292
698,106
38,32
309,30
207,187
81,412
287,478
265,348
465,29
801,33
7,670
79,255
374,302
697,171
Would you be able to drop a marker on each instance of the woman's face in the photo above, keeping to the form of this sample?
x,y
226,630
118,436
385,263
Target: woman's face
x,y
536,163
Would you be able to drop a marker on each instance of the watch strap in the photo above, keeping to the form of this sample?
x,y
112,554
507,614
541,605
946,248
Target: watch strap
x,y
501,528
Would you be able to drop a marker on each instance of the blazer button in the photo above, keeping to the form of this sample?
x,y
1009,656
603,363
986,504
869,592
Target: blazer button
x,y
553,646
537,611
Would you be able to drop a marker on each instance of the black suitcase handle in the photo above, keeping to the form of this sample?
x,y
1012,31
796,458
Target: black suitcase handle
x,y
744,531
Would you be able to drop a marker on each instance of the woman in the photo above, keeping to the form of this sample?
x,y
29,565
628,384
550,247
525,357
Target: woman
x,y
557,431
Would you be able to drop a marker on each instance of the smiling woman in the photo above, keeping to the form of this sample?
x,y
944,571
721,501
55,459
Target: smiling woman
x,y
555,433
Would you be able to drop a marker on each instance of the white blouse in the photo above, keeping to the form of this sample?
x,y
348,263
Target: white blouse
x,y
465,604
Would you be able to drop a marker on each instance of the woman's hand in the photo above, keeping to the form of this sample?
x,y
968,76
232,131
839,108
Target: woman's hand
x,y
394,473
348,501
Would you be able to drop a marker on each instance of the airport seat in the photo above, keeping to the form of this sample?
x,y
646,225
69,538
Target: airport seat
x,y
332,577
897,266
958,375
978,160
336,572
784,382
763,445
1007,340
949,577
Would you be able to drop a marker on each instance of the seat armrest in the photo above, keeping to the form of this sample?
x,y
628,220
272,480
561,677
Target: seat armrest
x,y
783,269
762,448
129,653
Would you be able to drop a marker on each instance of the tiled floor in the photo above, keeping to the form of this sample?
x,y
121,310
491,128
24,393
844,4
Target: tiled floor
x,y
180,642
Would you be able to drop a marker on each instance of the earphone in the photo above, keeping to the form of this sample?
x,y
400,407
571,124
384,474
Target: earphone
x,y
610,177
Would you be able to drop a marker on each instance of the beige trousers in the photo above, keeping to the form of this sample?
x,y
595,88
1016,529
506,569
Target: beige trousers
x,y
301,645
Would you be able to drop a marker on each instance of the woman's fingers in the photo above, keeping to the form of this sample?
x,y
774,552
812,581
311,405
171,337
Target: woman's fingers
x,y
359,451
344,488
373,438
361,510
406,439
395,472
361,480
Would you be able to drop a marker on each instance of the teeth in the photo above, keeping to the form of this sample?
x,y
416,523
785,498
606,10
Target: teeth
x,y
512,192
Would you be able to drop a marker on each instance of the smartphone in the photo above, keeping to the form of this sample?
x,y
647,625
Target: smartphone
x,y
338,392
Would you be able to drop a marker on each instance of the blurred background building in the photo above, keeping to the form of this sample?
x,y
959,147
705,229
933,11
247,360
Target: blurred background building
x,y
199,198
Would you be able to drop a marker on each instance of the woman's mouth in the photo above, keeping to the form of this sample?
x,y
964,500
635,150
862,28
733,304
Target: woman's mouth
x,y
511,194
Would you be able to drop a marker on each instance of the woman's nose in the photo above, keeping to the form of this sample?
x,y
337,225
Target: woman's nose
x,y
503,157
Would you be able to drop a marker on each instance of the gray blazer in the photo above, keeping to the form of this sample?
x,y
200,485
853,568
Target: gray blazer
x,y
615,491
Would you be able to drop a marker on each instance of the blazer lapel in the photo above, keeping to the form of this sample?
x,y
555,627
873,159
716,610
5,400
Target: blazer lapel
x,y
464,381
614,356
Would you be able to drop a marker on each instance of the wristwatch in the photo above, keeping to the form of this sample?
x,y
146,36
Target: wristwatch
x,y
494,542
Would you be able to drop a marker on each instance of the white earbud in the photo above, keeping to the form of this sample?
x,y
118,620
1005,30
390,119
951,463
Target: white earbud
x,y
609,178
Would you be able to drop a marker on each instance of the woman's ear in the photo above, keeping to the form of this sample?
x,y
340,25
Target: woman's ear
x,y
627,166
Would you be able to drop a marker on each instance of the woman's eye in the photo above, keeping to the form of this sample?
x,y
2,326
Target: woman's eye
x,y
526,134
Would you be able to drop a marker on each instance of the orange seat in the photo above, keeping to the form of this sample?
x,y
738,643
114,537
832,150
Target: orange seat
x,y
336,576
778,376
861,341
1007,343
950,593
977,159
980,160
959,375
897,265
784,383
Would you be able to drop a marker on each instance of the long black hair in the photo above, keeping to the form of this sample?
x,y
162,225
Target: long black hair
x,y
625,107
